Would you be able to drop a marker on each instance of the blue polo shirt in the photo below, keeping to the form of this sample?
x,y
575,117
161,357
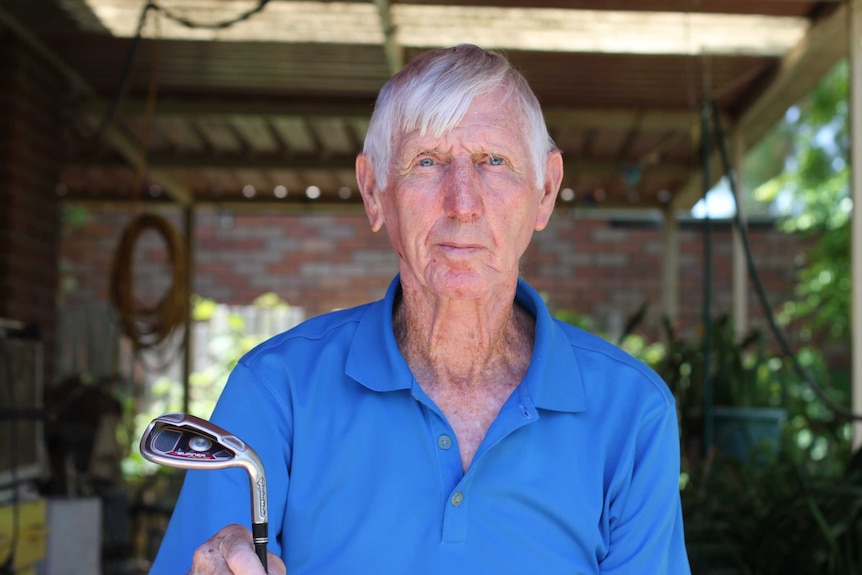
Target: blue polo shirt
x,y
578,474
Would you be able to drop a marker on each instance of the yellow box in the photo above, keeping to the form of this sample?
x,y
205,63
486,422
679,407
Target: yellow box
x,y
32,531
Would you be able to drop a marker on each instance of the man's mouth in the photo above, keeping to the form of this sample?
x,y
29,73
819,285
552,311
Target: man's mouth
x,y
459,247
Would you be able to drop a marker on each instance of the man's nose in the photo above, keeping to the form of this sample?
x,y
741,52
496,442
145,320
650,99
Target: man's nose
x,y
463,198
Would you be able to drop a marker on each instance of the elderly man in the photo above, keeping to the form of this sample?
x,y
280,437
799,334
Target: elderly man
x,y
453,427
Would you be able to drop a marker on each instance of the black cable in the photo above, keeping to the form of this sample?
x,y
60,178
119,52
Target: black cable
x,y
133,48
108,118
210,26
708,393
761,292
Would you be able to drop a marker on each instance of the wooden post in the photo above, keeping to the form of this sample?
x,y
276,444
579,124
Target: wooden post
x,y
189,229
670,266
855,54
740,267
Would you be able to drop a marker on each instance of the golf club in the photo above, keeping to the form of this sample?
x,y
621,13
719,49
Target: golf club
x,y
188,442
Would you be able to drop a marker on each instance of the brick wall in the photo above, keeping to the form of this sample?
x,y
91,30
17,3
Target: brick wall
x,y
318,261
601,268
30,97
607,269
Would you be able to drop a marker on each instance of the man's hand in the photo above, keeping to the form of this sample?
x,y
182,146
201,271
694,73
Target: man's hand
x,y
231,551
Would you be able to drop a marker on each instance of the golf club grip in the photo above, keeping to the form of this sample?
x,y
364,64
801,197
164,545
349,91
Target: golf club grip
x,y
259,534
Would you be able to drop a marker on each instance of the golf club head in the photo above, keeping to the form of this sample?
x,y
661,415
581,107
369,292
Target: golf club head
x,y
187,442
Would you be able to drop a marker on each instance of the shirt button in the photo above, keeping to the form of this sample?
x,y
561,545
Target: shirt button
x,y
444,442
457,499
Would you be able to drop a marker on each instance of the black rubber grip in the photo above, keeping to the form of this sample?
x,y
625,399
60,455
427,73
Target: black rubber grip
x,y
259,534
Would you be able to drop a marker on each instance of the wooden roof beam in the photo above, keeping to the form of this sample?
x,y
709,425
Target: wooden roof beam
x,y
394,52
558,117
129,149
797,75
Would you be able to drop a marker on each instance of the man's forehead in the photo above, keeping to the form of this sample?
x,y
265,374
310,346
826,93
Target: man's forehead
x,y
452,142
503,135
496,109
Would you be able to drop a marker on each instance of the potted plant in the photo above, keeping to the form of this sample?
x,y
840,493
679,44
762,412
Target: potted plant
x,y
727,389
756,503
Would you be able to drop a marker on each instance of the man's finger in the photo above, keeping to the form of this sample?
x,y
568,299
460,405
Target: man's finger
x,y
228,552
276,565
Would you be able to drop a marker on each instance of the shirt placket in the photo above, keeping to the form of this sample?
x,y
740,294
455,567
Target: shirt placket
x,y
456,485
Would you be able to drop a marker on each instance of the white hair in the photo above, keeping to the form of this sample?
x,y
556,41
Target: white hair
x,y
432,94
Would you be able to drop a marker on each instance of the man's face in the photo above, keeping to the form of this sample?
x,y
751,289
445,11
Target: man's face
x,y
460,209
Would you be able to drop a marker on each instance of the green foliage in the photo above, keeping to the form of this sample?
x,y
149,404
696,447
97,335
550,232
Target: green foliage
x,y
741,371
816,191
764,163
74,215
773,519
574,318
228,342
801,512
798,510
791,511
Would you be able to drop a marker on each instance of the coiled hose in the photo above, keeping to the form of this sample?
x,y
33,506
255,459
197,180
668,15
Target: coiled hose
x,y
147,326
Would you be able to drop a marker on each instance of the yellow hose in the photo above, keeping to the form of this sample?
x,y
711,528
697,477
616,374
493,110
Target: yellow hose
x,y
147,326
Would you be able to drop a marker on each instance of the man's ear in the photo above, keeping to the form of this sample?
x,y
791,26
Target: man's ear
x,y
368,189
553,179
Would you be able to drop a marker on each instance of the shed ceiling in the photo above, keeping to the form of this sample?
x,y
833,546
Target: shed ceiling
x,y
275,108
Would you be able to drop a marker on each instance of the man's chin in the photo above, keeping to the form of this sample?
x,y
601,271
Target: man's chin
x,y
464,284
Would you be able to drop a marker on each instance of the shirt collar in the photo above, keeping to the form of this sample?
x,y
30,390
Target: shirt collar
x,y
553,380
374,359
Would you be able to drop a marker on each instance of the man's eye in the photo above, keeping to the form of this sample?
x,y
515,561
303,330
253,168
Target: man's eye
x,y
495,160
425,162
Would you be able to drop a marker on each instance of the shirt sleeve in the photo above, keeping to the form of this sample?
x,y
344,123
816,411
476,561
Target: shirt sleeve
x,y
646,528
210,500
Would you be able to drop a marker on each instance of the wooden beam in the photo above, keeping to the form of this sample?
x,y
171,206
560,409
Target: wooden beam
x,y
854,47
670,267
129,149
621,119
189,226
217,108
559,117
132,152
797,75
394,52
740,265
